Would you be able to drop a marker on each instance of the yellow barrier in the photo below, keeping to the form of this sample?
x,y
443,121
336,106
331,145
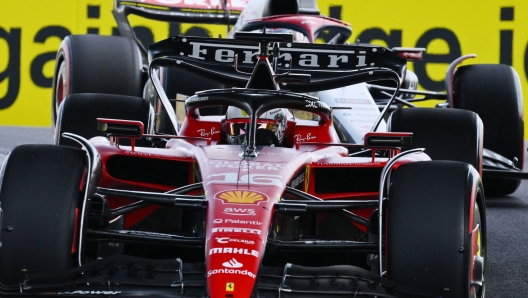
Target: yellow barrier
x,y
31,31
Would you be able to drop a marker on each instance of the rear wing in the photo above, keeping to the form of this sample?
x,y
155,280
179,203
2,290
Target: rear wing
x,y
329,66
184,11
222,12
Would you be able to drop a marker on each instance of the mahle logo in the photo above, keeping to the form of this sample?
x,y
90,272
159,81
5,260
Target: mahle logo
x,y
241,197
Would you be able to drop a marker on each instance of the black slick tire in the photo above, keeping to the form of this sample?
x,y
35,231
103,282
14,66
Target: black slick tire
x,y
178,81
41,193
493,92
436,228
446,134
96,64
78,114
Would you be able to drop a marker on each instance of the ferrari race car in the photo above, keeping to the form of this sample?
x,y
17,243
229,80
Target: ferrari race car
x,y
263,201
490,90
118,65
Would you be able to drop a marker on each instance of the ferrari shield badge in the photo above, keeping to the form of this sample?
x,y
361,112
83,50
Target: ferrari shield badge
x,y
230,287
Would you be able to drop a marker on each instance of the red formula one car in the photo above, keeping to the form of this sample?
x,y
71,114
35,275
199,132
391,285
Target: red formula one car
x,y
237,205
118,65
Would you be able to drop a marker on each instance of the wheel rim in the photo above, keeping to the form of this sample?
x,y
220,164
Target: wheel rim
x,y
478,256
60,90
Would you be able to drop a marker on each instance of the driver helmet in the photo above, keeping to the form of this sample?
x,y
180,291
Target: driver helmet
x,y
270,131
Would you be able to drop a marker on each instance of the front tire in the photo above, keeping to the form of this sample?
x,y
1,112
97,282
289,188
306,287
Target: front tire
x,y
41,194
436,229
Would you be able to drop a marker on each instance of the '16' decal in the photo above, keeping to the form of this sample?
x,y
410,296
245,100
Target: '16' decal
x,y
254,179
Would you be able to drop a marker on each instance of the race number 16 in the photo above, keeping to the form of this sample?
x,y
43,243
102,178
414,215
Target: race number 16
x,y
254,179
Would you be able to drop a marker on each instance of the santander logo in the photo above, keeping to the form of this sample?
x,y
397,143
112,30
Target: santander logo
x,y
232,264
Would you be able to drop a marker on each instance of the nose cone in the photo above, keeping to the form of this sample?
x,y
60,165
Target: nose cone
x,y
236,231
233,260
239,216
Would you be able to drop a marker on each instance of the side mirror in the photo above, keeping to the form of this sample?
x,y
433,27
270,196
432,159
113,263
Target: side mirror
x,y
121,128
387,140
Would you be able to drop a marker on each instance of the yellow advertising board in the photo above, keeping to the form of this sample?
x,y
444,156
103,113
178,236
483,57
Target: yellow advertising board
x,y
31,31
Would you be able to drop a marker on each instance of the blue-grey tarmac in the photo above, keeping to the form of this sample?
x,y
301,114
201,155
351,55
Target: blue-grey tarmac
x,y
507,275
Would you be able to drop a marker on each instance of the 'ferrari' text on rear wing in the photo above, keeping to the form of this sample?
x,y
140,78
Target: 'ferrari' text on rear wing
x,y
330,66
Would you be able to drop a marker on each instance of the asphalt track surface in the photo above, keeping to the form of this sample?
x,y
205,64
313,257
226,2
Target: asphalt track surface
x,y
507,223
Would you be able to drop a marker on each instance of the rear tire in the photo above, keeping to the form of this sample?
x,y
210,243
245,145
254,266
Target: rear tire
x,y
40,195
178,81
96,64
79,112
433,208
493,92
446,134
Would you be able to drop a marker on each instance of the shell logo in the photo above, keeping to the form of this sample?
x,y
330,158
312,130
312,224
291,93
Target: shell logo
x,y
241,197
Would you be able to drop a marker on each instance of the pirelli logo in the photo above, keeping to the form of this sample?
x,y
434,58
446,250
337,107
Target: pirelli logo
x,y
236,230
